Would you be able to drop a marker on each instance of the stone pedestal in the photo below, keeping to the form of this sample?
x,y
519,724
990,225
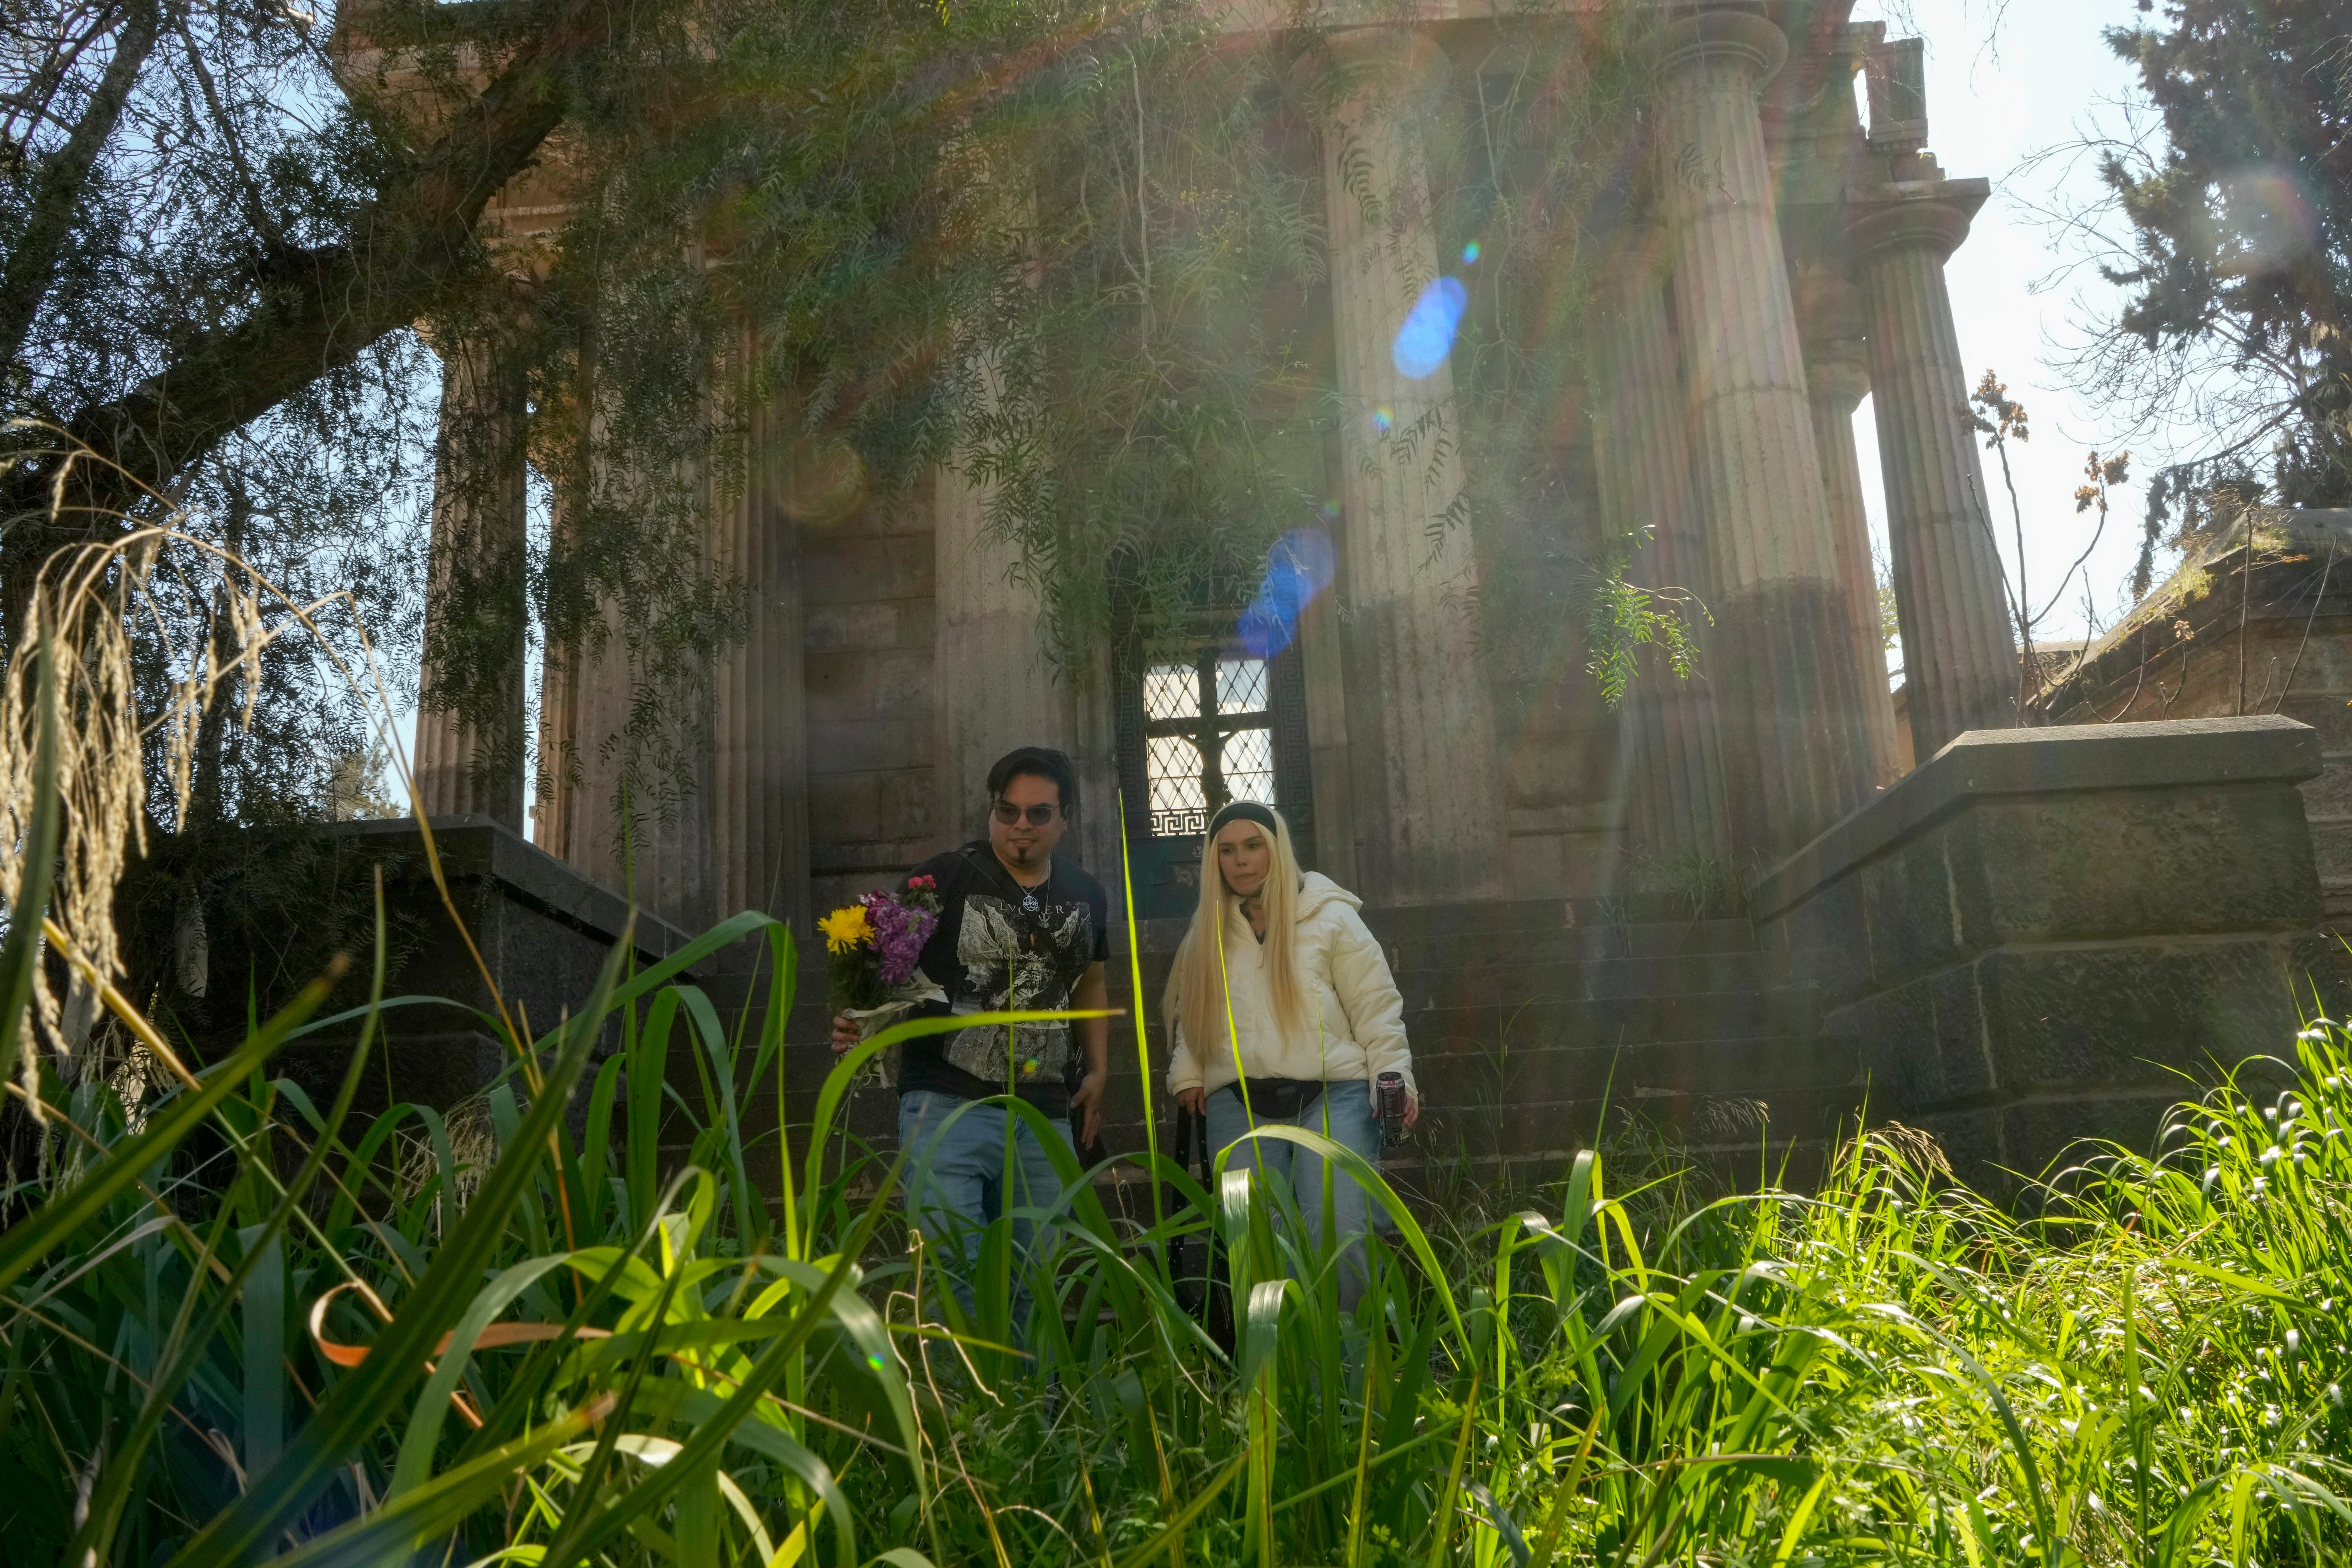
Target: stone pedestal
x,y
2032,938
1674,795
1796,746
1837,376
1960,658
1427,786
481,535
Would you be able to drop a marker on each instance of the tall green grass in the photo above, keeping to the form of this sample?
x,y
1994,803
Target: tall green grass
x,y
239,1326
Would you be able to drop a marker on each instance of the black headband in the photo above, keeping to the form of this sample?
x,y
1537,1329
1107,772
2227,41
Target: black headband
x,y
1241,811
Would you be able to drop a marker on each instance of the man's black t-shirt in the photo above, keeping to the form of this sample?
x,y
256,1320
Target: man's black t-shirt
x,y
1002,947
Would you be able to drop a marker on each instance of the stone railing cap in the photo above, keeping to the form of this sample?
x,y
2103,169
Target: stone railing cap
x,y
1984,762
476,846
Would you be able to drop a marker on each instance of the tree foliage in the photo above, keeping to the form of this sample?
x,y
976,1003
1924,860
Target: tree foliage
x,y
747,250
2236,314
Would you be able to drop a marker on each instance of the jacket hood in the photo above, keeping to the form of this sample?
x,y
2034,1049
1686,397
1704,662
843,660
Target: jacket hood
x,y
1316,890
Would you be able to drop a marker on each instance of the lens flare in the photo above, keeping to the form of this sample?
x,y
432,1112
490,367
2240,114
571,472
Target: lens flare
x,y
1427,336
1298,567
1332,510
1383,419
1470,253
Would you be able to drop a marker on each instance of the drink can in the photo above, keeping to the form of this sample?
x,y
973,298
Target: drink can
x,y
1390,1089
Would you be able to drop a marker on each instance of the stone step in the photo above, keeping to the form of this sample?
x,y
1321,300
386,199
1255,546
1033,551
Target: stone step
x,y
1579,979
1412,921
1570,945
1756,1065
1613,1022
1549,1121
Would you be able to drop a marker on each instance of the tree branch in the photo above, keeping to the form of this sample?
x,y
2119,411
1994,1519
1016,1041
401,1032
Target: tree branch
x,y
410,250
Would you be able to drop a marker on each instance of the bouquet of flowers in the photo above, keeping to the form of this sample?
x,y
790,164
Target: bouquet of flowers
x,y
875,944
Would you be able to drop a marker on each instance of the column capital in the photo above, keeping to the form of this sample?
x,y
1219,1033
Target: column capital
x,y
1933,216
1741,37
1372,48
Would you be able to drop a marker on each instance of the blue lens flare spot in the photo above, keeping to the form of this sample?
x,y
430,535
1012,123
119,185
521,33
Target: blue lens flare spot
x,y
1383,419
1300,566
1427,336
1470,253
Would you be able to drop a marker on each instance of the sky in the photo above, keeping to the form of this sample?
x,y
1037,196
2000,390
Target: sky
x,y
2000,90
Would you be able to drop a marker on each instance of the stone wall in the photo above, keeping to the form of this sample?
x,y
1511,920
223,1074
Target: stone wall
x,y
2283,629
866,586
542,930
2033,936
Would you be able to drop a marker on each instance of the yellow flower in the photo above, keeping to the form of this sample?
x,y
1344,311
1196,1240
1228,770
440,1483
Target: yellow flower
x,y
846,927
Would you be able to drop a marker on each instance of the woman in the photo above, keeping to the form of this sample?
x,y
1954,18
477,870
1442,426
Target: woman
x,y
1284,1013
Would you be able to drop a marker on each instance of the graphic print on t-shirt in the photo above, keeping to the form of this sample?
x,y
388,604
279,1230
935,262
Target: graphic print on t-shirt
x,y
1017,961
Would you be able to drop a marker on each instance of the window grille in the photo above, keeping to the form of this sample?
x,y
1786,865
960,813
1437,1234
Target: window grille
x,y
1199,724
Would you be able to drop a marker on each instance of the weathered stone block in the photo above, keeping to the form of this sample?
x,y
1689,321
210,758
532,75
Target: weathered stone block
x,y
544,931
2329,795
1922,1043
1912,902
2039,918
860,570
2133,1013
2106,863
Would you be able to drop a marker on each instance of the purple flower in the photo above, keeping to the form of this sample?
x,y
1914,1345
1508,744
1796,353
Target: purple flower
x,y
900,933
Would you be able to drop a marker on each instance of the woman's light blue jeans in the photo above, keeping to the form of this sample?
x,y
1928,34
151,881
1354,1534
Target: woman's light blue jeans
x,y
955,1182
1343,1113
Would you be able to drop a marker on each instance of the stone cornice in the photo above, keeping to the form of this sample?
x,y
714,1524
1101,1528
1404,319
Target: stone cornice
x,y
1742,36
1933,214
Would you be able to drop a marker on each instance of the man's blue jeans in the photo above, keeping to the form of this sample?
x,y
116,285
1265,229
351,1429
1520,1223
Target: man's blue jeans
x,y
955,1182
1343,1113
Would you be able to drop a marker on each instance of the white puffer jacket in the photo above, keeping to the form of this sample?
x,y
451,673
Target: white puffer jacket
x,y
1344,983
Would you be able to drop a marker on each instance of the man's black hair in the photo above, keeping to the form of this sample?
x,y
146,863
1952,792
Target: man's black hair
x,y
1038,761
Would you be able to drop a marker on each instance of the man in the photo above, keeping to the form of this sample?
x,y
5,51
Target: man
x,y
1020,931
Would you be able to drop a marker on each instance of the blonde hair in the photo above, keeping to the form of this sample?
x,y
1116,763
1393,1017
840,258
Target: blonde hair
x,y
1196,1002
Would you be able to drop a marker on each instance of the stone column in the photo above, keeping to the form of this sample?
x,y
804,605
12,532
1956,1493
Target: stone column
x,y
1959,657
760,821
1672,759
554,797
1427,784
476,589
640,819
994,686
1796,747
1837,376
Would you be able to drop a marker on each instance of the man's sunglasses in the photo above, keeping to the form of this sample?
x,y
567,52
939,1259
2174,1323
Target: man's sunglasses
x,y
1008,814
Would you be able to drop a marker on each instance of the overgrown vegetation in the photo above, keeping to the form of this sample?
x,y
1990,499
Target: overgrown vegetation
x,y
208,1355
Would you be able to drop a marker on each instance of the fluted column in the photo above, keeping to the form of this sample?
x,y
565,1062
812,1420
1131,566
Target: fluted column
x,y
554,793
994,686
640,820
1427,784
476,592
1675,806
1796,747
760,821
1960,658
1837,376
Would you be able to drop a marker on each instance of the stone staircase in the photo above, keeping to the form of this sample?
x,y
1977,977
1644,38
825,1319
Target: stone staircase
x,y
1529,1021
